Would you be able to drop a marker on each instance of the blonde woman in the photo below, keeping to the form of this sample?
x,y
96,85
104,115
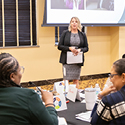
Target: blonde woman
x,y
75,41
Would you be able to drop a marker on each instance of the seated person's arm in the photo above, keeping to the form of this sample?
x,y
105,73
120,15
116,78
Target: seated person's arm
x,y
41,114
100,109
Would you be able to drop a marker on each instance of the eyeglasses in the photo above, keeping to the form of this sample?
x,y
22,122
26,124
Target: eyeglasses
x,y
112,75
22,69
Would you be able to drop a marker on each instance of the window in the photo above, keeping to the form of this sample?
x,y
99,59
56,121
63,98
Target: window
x,y
58,32
17,23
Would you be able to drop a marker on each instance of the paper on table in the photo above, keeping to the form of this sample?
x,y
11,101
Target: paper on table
x,y
85,116
61,121
84,113
87,120
83,101
82,95
80,90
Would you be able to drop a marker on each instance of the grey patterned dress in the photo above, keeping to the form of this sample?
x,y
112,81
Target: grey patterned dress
x,y
72,71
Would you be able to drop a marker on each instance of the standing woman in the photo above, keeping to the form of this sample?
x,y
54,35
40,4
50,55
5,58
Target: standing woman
x,y
73,40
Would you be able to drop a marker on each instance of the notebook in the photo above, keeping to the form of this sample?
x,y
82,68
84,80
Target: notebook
x,y
72,59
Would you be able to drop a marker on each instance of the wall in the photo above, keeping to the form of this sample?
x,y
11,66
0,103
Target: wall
x,y
117,43
121,41
42,62
114,48
98,56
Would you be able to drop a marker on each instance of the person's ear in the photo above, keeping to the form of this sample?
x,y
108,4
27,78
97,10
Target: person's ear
x,y
123,74
12,76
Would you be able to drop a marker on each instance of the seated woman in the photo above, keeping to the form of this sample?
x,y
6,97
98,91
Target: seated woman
x,y
22,106
110,109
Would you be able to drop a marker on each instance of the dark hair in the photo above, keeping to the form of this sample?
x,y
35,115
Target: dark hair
x,y
119,66
8,65
123,56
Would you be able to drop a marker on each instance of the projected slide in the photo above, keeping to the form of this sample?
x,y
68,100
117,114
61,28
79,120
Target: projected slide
x,y
83,4
90,12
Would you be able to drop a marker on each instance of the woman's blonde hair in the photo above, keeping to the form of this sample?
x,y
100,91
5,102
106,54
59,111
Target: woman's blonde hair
x,y
79,24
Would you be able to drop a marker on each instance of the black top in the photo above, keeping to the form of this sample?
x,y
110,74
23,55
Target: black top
x,y
64,45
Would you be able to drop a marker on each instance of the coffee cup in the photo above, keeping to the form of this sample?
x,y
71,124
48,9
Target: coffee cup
x,y
90,98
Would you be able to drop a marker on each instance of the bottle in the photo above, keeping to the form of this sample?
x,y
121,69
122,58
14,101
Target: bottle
x,y
105,86
97,89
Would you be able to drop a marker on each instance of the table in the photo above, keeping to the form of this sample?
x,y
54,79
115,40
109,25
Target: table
x,y
73,108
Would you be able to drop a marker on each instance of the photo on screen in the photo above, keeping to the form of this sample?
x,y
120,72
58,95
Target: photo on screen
x,y
90,12
67,4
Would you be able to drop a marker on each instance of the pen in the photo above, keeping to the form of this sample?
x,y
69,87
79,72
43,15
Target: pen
x,y
67,101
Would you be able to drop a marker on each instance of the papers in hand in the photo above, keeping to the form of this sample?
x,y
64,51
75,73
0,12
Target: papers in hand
x,y
72,59
84,116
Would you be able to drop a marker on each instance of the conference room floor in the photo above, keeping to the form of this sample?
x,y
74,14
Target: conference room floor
x,y
83,84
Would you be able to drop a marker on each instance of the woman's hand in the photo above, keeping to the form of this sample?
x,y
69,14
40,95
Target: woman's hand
x,y
77,51
74,51
47,97
107,91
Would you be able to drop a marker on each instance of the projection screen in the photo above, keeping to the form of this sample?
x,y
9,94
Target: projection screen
x,y
90,12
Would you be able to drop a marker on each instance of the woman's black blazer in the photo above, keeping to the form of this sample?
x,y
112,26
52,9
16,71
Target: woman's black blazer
x,y
64,45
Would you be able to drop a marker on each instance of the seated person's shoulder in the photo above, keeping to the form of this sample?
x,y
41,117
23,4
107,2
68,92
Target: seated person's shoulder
x,y
112,98
26,91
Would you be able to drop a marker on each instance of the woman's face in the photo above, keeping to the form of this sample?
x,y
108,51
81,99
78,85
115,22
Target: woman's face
x,y
117,80
16,77
74,24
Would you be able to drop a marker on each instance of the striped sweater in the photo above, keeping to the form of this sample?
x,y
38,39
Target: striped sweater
x,y
110,110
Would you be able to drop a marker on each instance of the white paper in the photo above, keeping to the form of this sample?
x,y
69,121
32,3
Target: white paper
x,y
61,121
85,116
82,95
83,101
71,59
87,120
78,95
72,93
59,102
80,90
61,86
73,85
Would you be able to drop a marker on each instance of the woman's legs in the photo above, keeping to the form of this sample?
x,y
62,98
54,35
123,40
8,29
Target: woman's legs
x,y
76,81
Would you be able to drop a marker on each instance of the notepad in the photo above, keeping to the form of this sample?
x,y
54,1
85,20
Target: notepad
x,y
72,59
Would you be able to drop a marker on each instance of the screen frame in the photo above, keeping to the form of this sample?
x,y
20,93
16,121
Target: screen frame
x,y
45,24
